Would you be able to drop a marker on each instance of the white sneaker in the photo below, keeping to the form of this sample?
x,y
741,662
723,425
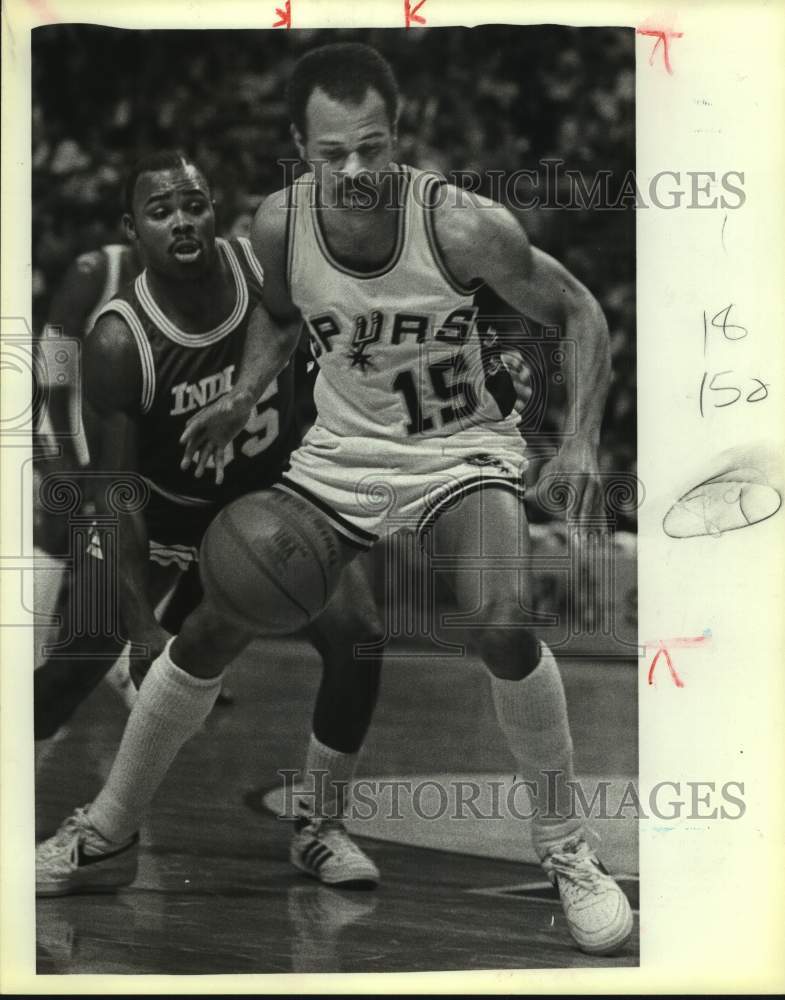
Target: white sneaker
x,y
597,911
79,859
323,849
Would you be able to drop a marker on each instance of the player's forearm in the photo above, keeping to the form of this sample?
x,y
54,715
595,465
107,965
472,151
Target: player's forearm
x,y
543,289
589,380
269,344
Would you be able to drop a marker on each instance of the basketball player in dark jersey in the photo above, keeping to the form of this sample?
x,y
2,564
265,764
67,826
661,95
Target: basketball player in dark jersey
x,y
63,682
404,394
90,281
168,344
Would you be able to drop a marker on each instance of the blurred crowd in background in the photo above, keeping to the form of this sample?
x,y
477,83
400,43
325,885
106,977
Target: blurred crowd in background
x,y
485,99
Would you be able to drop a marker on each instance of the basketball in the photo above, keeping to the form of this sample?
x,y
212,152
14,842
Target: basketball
x,y
269,562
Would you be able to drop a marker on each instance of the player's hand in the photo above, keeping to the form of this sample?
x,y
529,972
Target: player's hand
x,y
154,639
209,431
521,378
576,466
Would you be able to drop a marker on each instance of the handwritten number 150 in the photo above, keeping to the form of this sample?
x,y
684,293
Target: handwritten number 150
x,y
736,393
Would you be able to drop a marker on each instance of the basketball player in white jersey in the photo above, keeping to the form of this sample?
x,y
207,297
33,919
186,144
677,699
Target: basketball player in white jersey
x,y
407,396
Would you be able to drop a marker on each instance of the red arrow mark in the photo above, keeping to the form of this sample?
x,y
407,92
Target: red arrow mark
x,y
663,36
284,16
410,13
663,645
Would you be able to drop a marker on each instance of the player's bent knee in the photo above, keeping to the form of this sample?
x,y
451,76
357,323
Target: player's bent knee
x,y
207,642
348,637
510,653
367,630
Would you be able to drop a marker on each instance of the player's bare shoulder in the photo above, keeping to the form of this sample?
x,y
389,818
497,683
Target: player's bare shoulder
x,y
476,234
111,366
270,224
270,238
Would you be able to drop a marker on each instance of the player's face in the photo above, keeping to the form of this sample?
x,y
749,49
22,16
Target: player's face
x,y
348,146
173,221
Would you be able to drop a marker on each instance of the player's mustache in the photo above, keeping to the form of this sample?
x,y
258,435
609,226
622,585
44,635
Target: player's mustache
x,y
362,183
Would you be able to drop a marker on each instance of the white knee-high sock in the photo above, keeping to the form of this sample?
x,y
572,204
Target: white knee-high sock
x,y
532,714
172,706
328,774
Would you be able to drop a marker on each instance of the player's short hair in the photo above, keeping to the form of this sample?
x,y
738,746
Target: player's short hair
x,y
161,159
346,71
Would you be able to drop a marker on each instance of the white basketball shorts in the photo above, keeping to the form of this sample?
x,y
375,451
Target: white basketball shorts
x,y
371,487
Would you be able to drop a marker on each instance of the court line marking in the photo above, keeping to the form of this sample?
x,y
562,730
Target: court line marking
x,y
518,890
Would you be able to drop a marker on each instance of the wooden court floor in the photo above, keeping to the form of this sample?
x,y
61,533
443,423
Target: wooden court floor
x,y
215,892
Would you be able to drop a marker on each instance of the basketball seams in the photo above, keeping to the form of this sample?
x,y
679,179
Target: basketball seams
x,y
211,579
233,530
312,549
212,585
269,542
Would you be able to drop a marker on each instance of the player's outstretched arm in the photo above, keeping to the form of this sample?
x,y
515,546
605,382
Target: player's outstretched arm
x,y
271,339
112,388
485,240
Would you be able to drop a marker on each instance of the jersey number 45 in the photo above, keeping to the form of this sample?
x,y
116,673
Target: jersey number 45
x,y
260,431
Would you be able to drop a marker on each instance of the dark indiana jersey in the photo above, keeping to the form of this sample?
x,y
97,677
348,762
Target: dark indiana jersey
x,y
183,372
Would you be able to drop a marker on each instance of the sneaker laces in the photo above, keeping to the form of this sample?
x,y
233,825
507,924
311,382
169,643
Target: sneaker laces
x,y
333,832
575,861
67,834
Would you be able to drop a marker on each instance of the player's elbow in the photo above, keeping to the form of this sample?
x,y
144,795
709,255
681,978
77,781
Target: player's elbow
x,y
582,309
583,314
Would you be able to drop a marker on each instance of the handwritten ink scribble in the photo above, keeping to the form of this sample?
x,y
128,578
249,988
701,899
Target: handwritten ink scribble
x,y
737,497
664,645
284,15
663,34
410,12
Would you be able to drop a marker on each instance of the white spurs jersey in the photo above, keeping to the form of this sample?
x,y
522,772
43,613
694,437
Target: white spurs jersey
x,y
398,348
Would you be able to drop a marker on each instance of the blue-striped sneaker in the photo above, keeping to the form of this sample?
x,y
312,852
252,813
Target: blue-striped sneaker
x,y
80,859
323,849
598,913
